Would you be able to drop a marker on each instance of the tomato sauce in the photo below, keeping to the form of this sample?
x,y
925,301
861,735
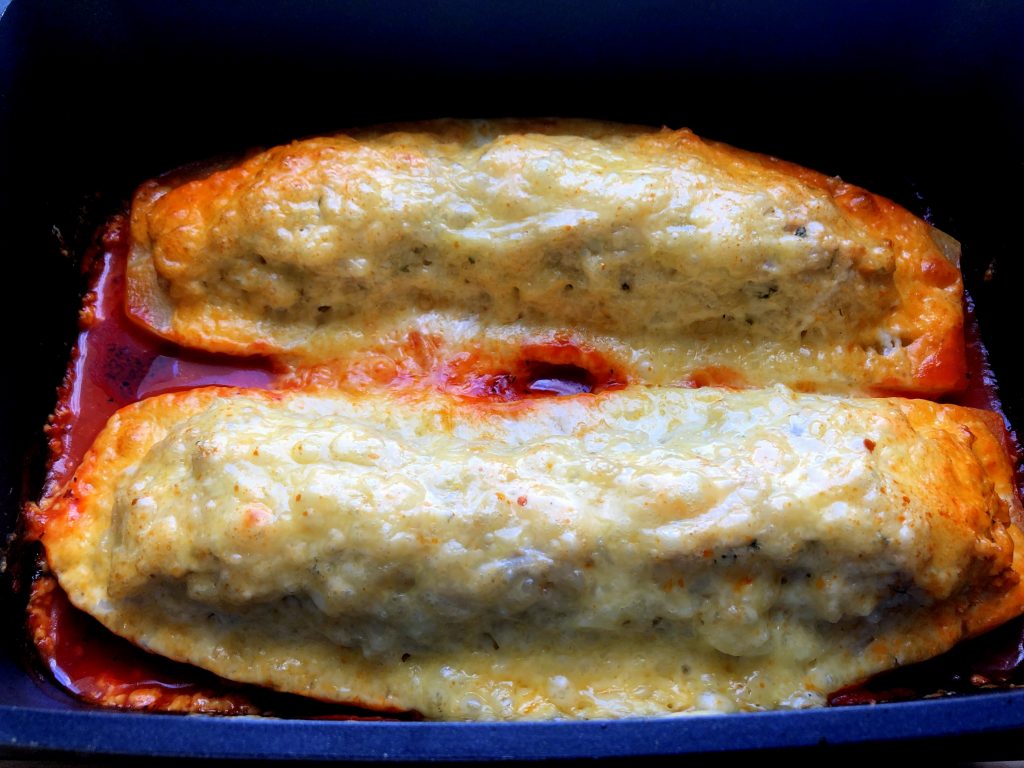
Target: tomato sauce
x,y
116,363
557,367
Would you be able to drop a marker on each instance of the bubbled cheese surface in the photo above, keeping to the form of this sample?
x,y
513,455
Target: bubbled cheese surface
x,y
630,553
669,253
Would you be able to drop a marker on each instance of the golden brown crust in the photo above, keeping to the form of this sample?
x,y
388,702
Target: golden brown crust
x,y
927,275
313,249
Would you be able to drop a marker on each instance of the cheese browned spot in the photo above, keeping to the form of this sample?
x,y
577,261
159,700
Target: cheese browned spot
x,y
631,553
673,255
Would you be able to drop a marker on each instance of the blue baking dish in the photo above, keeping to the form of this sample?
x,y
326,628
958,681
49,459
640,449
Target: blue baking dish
x,y
921,101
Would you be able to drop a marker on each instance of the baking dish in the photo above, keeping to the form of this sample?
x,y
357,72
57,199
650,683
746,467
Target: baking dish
x,y
919,103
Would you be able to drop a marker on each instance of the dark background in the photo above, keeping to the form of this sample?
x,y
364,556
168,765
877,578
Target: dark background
x,y
920,101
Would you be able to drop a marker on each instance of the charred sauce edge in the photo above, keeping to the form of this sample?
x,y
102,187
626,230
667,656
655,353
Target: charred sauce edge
x,y
116,362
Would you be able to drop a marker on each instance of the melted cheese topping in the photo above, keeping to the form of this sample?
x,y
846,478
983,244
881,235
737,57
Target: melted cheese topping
x,y
669,253
632,553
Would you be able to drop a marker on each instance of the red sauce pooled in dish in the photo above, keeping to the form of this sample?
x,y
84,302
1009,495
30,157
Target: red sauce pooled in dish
x,y
117,363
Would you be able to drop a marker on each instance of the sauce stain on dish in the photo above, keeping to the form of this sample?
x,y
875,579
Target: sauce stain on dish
x,y
116,363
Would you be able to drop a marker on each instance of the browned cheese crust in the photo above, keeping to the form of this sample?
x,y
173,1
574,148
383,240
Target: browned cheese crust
x,y
641,552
